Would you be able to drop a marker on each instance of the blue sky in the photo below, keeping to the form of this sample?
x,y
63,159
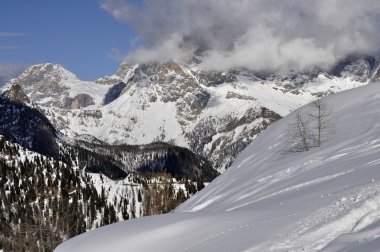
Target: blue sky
x,y
77,34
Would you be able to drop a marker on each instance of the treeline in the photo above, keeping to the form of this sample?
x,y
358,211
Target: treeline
x,y
44,202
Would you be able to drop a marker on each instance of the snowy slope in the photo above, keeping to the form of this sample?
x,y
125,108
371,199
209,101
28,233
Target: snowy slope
x,y
327,198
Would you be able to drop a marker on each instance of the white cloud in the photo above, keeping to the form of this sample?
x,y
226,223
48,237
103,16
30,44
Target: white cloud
x,y
5,35
11,34
256,34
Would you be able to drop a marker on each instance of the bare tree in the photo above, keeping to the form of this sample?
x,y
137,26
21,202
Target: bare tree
x,y
299,135
321,115
308,128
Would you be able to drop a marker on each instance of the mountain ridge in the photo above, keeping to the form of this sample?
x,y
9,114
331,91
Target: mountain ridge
x,y
169,102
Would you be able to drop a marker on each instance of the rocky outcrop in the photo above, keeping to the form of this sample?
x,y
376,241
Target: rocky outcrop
x,y
79,101
233,95
114,92
213,78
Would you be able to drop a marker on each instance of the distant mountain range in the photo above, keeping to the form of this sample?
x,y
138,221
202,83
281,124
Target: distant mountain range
x,y
214,114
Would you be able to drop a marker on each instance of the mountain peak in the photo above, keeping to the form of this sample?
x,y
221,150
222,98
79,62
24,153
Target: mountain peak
x,y
53,85
123,74
49,70
51,74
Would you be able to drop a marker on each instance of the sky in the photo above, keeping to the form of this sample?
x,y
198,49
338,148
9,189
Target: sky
x,y
92,37
77,34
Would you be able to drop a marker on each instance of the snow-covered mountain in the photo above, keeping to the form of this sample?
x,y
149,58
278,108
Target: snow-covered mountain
x,y
271,199
51,85
215,114
23,122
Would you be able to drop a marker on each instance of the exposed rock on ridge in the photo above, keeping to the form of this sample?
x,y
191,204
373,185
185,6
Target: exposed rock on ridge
x,y
215,114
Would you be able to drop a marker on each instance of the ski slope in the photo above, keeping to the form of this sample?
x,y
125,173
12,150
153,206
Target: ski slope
x,y
325,199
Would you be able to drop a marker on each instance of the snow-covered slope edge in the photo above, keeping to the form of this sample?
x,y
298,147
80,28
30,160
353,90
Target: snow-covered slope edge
x,y
327,198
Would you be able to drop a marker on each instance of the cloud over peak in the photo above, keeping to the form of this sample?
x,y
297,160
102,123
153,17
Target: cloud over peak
x,y
255,34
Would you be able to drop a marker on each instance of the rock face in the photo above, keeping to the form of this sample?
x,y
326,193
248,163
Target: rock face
x,y
79,101
215,114
232,95
114,92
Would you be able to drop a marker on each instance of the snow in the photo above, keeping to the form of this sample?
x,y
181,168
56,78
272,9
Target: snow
x,y
327,198
133,118
115,191
77,86
96,91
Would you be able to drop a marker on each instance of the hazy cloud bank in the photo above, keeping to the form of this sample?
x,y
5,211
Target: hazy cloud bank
x,y
256,34
8,71
11,34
